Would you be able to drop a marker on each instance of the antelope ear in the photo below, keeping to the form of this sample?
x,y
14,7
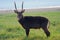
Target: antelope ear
x,y
15,11
23,11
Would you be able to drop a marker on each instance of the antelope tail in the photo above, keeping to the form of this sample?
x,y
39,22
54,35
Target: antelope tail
x,y
48,24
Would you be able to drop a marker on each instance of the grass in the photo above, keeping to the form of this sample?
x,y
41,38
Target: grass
x,y
10,29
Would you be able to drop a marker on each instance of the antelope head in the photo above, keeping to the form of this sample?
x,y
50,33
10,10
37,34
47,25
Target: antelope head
x,y
19,13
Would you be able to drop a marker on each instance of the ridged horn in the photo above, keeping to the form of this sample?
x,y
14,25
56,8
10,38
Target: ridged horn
x,y
15,5
22,5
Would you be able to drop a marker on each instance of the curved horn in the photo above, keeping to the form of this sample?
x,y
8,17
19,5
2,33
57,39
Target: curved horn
x,y
22,5
15,5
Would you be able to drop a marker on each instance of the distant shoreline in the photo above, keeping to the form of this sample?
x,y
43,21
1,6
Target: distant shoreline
x,y
35,8
43,9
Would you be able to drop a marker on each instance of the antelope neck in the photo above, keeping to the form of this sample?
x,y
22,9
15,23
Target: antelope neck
x,y
20,17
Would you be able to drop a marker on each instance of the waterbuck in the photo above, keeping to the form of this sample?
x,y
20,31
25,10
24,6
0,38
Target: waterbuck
x,y
32,22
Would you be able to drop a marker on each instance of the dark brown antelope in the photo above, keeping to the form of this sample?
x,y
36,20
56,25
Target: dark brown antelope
x,y
32,22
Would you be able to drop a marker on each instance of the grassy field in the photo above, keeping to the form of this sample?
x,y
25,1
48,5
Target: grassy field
x,y
10,29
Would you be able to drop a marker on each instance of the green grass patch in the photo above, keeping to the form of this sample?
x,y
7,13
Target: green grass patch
x,y
10,29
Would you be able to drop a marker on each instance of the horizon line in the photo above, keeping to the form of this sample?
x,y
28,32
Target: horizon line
x,y
35,8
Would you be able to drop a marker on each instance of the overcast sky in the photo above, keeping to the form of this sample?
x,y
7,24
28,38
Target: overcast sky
x,y
9,4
